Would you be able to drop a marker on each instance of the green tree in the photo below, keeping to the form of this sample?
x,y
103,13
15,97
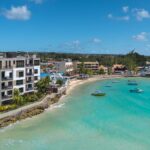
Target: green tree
x,y
81,68
43,84
88,71
109,71
101,71
17,98
60,82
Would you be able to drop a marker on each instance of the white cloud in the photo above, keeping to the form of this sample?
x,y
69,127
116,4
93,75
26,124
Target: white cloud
x,y
73,45
125,9
110,16
141,37
96,40
37,1
76,42
120,18
141,14
17,13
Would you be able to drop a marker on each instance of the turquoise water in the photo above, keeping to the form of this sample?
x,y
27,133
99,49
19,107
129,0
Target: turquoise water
x,y
118,121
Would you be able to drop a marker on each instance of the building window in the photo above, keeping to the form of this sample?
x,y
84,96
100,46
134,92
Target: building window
x,y
9,93
20,63
6,64
14,62
21,74
36,78
36,62
35,71
21,90
9,63
0,64
19,82
10,84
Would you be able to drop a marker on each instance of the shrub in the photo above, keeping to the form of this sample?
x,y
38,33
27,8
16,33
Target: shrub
x,y
60,82
7,107
31,97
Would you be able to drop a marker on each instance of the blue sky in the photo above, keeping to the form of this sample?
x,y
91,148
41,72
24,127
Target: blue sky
x,y
78,26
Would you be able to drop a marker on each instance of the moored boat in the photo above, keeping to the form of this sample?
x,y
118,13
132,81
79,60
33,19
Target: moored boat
x,y
108,86
136,90
115,81
132,83
98,93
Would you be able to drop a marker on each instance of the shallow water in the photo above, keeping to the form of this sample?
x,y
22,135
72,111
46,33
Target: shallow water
x,y
118,121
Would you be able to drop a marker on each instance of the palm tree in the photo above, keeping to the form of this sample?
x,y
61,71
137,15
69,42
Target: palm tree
x,y
17,98
43,84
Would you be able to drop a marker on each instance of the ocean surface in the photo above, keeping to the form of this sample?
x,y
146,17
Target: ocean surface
x,y
118,121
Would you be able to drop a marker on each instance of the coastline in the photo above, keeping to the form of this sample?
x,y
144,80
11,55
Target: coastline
x,y
74,83
48,102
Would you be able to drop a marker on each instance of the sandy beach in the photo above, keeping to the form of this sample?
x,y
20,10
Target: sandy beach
x,y
76,82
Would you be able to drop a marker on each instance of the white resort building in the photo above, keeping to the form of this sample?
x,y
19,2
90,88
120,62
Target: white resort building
x,y
21,72
65,66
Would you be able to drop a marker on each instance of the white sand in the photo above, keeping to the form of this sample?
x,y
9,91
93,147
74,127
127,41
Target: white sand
x,y
75,82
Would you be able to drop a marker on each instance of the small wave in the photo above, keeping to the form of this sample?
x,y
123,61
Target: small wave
x,y
8,127
56,106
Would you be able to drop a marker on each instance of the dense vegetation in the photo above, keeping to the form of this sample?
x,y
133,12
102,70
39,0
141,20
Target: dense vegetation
x,y
131,59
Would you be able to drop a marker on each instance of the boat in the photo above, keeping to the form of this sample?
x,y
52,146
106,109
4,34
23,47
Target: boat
x,y
132,83
115,81
98,93
136,90
108,86
131,80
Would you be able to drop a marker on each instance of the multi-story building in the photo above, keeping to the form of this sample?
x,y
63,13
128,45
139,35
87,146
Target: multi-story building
x,y
94,66
104,68
119,69
21,72
65,66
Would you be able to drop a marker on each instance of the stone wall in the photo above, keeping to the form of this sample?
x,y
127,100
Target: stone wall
x,y
29,112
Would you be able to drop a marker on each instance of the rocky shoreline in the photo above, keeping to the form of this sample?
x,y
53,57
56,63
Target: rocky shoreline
x,y
30,112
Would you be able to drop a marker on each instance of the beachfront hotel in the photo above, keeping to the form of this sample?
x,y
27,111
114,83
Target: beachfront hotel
x,y
94,66
20,72
66,66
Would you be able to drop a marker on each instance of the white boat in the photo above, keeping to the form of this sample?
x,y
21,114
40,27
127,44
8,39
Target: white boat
x,y
98,93
136,90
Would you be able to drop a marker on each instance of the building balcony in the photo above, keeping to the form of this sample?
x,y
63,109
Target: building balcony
x,y
6,68
29,65
29,89
7,78
29,74
29,81
6,97
7,87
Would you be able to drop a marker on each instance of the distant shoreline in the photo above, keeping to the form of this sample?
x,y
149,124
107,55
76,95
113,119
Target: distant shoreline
x,y
75,83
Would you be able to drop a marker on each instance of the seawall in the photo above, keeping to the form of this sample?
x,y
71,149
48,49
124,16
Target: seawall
x,y
30,110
